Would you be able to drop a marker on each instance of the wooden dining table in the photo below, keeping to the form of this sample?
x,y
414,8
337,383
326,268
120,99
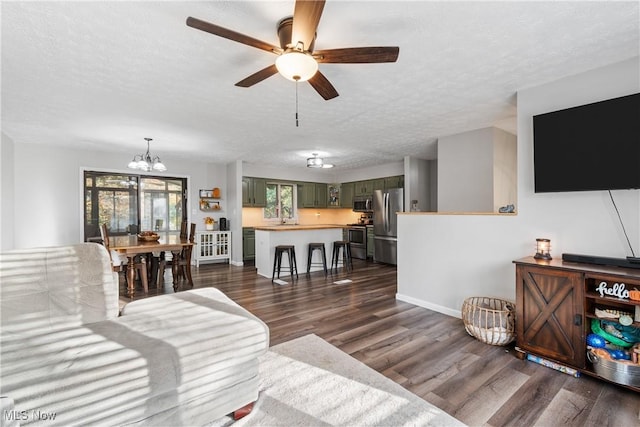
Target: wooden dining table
x,y
131,245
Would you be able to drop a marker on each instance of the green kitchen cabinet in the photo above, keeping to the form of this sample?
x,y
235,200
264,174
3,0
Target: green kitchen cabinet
x,y
306,195
363,188
394,182
322,195
254,192
248,243
377,184
346,195
312,195
366,188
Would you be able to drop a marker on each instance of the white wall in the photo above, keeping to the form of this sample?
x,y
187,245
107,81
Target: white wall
x,y
372,172
215,176
7,195
443,259
289,174
433,179
465,172
48,190
477,171
505,176
234,191
419,183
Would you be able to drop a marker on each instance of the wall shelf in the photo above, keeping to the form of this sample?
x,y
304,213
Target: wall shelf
x,y
210,205
210,200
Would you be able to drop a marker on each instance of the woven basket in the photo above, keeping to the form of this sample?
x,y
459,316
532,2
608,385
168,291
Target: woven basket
x,y
490,320
149,238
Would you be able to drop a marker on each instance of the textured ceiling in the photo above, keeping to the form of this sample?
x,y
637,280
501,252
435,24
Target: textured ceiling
x,y
104,75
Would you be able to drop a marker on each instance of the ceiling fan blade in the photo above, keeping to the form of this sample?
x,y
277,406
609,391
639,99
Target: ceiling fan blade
x,y
258,77
323,86
358,55
231,35
306,16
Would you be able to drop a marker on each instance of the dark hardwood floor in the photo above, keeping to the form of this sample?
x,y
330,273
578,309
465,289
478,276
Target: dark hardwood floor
x,y
428,353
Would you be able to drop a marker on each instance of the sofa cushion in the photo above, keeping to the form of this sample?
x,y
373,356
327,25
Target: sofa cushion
x,y
56,287
164,352
202,327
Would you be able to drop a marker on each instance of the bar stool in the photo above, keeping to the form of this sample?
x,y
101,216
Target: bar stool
x,y
277,260
320,247
346,254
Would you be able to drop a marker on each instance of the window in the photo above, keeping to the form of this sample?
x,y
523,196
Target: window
x,y
129,203
281,201
161,203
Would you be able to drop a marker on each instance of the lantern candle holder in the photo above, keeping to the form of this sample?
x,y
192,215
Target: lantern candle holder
x,y
543,248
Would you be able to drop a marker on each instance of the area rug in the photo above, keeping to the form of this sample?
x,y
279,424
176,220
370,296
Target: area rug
x,y
309,382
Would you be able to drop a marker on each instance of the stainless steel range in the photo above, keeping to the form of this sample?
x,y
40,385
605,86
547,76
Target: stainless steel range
x,y
357,236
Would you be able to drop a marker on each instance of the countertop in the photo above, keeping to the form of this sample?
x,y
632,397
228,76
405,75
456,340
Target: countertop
x,y
458,213
298,227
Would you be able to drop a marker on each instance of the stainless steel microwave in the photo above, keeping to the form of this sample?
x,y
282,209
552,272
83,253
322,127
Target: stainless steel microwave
x,y
362,204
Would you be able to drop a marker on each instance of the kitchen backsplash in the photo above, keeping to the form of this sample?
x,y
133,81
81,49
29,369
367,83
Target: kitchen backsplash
x,y
252,217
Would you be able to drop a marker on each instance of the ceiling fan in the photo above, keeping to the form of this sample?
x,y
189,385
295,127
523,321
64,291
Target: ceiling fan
x,y
297,61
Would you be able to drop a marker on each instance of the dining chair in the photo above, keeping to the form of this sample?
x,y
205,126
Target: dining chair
x,y
119,261
184,260
184,269
159,263
183,229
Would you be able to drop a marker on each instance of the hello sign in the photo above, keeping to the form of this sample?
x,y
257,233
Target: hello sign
x,y
617,290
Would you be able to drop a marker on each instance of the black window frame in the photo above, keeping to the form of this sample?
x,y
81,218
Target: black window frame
x,y
91,225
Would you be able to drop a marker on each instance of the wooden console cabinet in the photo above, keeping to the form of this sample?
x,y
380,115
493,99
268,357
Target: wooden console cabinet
x,y
555,302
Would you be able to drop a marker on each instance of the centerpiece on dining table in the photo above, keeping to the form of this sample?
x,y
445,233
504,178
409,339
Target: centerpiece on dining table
x,y
148,236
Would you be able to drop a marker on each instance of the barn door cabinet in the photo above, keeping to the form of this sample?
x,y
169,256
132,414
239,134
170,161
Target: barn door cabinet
x,y
555,303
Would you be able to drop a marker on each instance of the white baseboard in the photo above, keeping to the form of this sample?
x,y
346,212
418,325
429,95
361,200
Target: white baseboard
x,y
236,263
431,306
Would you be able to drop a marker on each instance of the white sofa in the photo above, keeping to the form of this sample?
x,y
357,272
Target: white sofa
x,y
69,358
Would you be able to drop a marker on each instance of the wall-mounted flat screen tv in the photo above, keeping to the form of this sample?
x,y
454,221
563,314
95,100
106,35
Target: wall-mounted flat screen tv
x,y
590,147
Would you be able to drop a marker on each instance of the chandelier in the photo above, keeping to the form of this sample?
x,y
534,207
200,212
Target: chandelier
x,y
317,162
145,162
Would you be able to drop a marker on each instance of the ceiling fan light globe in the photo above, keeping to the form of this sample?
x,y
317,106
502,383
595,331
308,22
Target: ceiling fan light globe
x,y
296,66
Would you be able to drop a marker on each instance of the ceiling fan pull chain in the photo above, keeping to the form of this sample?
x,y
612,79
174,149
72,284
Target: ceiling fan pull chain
x,y
296,103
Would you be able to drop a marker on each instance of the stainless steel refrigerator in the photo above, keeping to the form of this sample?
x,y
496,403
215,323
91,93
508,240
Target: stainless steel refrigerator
x,y
385,224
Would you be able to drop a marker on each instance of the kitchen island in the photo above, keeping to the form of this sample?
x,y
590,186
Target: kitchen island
x,y
268,237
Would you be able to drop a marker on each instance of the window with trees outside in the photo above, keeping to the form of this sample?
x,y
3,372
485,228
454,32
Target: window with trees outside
x,y
132,203
281,202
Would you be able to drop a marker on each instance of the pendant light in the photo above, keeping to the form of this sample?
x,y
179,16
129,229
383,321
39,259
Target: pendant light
x,y
145,163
